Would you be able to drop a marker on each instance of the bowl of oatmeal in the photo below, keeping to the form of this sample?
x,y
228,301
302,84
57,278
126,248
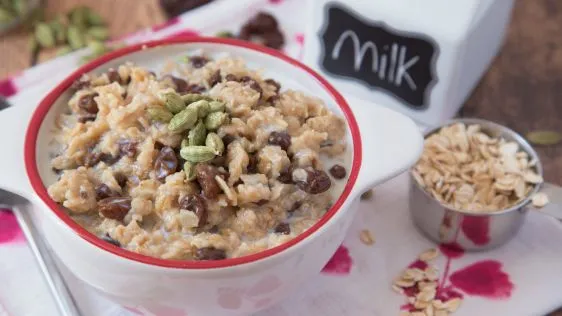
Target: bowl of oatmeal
x,y
474,183
177,174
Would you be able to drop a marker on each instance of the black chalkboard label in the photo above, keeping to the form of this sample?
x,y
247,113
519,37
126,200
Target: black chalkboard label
x,y
401,64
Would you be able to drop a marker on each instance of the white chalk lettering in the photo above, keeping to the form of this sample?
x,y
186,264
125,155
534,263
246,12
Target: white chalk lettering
x,y
402,70
358,50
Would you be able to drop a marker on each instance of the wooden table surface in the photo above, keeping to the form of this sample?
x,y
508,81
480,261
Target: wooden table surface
x,y
522,89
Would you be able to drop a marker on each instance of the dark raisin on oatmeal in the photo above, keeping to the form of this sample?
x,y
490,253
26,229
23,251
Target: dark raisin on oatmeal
x,y
209,253
166,163
81,83
180,84
86,117
295,206
108,159
231,77
113,76
205,174
195,204
92,158
198,61
286,176
127,148
283,228
252,164
121,179
338,171
194,88
110,240
262,202
103,191
88,104
281,139
274,83
215,78
311,180
115,207
227,139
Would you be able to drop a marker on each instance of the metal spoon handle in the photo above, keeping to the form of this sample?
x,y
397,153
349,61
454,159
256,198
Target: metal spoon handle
x,y
64,300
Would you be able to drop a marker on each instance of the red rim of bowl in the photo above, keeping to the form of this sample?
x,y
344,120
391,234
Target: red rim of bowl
x,y
50,99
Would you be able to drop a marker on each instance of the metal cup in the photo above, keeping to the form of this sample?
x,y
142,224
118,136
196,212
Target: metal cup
x,y
467,230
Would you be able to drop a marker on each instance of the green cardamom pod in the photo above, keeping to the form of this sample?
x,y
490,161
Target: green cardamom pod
x,y
215,142
189,169
202,107
544,138
174,102
6,16
197,135
63,50
44,35
215,119
20,6
98,32
97,48
184,143
197,154
78,17
94,18
182,121
159,114
194,97
216,106
59,30
76,39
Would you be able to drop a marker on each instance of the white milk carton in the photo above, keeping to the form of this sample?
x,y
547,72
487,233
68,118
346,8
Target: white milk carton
x,y
420,57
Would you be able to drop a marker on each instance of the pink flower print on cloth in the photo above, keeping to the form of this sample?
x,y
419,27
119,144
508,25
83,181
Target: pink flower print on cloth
x,y
340,263
10,231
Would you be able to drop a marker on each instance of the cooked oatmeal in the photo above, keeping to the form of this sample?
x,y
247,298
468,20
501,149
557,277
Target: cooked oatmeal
x,y
206,161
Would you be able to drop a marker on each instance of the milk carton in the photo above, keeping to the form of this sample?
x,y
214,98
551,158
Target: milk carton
x,y
422,58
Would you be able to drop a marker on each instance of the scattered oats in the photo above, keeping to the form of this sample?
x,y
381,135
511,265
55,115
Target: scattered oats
x,y
414,274
438,304
421,304
427,295
453,304
417,314
405,283
540,199
427,285
441,313
411,300
366,237
465,168
404,313
397,289
431,273
367,195
429,254
429,310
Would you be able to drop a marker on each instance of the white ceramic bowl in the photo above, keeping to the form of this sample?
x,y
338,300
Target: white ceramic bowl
x,y
383,144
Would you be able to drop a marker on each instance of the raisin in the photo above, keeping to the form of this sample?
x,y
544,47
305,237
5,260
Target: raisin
x,y
88,104
215,78
210,253
317,181
92,158
194,88
127,148
103,191
198,61
262,202
109,159
121,179
158,145
85,117
252,165
227,139
110,240
286,176
181,85
273,39
195,204
295,206
255,86
274,83
262,22
80,83
113,76
206,179
338,171
115,207
283,228
231,77
218,161
281,139
166,163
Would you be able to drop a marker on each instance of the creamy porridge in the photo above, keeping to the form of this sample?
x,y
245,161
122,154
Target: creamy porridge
x,y
207,161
